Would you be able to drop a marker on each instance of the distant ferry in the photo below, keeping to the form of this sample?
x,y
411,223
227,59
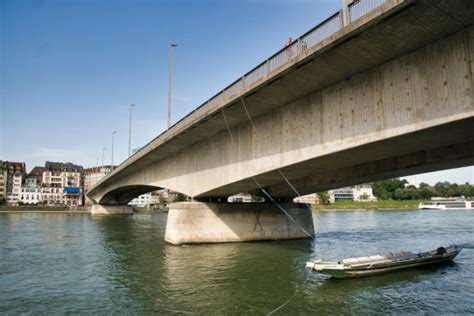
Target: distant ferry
x,y
446,205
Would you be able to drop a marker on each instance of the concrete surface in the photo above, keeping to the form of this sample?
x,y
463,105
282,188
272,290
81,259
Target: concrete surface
x,y
198,222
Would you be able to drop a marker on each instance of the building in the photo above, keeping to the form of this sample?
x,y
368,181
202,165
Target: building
x,y
14,197
31,192
55,184
363,193
37,172
14,174
142,200
358,193
343,194
3,184
93,175
62,188
62,167
310,198
240,198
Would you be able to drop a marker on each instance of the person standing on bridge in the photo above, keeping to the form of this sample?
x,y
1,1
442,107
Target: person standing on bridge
x,y
289,51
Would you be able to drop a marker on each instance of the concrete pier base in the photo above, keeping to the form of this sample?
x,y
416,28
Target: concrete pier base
x,y
199,222
98,209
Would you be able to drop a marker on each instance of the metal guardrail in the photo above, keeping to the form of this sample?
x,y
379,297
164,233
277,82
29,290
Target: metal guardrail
x,y
351,11
356,9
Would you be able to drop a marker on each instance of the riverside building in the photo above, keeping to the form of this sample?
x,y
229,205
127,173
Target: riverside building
x,y
93,175
14,174
3,184
358,193
30,191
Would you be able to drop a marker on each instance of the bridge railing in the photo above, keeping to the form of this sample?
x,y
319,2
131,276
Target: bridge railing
x,y
354,10
358,9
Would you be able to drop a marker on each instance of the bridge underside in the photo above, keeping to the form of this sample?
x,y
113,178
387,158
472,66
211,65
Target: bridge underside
x,y
442,147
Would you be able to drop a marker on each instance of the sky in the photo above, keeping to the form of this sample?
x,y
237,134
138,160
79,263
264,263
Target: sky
x,y
69,69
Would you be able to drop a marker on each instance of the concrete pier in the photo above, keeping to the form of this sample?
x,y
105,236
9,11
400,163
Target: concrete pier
x,y
199,222
98,209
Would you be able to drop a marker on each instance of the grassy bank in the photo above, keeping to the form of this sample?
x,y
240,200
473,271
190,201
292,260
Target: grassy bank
x,y
377,205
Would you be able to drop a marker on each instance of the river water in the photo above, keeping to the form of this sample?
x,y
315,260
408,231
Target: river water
x,y
75,263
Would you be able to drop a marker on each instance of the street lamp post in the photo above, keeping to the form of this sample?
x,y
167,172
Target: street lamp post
x,y
130,131
112,160
103,154
169,83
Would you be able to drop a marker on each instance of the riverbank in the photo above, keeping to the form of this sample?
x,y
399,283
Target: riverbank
x,y
338,206
42,209
368,206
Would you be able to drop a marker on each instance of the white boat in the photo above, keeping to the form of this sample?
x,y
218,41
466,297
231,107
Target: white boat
x,y
370,265
446,205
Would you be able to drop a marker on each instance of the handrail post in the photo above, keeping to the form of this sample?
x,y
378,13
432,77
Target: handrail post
x,y
346,17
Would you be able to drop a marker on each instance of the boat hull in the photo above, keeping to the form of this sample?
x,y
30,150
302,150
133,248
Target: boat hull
x,y
357,273
373,265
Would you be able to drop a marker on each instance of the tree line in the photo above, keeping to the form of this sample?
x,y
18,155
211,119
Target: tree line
x,y
397,189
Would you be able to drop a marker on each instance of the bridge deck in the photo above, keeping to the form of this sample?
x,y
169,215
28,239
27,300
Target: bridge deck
x,y
325,55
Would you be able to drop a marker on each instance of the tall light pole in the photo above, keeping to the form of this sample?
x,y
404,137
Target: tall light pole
x,y
112,160
169,84
130,131
103,153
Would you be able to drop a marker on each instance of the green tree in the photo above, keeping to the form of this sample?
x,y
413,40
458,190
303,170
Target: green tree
x,y
426,192
385,189
323,197
453,190
410,193
180,197
441,189
466,190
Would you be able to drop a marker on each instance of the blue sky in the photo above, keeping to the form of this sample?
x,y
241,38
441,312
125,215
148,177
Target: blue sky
x,y
70,69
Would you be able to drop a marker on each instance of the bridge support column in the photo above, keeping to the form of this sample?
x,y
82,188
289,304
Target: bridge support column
x,y
98,209
199,222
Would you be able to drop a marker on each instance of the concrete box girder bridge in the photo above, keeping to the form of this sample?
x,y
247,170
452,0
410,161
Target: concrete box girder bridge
x,y
388,94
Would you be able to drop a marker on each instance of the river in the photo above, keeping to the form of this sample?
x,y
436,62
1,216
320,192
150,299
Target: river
x,y
75,263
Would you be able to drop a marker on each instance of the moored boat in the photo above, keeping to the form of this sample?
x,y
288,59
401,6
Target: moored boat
x,y
370,265
446,205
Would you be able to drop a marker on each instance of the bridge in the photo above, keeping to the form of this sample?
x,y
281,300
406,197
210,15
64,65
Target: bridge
x,y
380,89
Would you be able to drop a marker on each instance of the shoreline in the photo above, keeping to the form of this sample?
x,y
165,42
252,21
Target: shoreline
x,y
85,211
42,209
38,211
363,209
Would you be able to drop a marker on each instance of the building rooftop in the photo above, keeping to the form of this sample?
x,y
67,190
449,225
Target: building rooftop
x,y
61,166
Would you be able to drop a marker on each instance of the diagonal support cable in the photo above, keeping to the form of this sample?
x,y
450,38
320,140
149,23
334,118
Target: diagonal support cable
x,y
261,187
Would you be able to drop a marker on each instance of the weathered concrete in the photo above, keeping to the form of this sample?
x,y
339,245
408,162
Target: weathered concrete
x,y
390,95
111,209
197,222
